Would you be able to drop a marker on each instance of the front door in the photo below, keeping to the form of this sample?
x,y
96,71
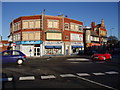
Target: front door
x,y
36,51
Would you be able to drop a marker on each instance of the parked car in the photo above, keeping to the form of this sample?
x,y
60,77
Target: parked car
x,y
101,55
10,56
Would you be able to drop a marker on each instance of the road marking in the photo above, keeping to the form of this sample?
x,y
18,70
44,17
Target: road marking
x,y
6,79
99,73
27,78
74,62
83,74
48,77
67,75
96,83
78,59
112,72
10,79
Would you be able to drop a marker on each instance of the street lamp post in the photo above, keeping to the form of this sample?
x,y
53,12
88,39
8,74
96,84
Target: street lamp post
x,y
111,31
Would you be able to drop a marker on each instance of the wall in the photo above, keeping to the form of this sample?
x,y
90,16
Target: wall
x,y
3,45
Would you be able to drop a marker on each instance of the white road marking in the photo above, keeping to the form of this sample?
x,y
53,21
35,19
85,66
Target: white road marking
x,y
67,75
96,83
74,62
99,73
112,72
10,79
48,77
6,79
27,78
83,74
78,59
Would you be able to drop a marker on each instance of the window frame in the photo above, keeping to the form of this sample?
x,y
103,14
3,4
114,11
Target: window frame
x,y
51,23
67,26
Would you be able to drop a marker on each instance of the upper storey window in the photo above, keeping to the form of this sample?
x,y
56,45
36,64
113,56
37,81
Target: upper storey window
x,y
16,26
25,24
80,28
66,26
76,27
31,24
53,23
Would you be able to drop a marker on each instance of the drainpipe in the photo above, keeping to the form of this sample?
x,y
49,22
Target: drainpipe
x,y
42,34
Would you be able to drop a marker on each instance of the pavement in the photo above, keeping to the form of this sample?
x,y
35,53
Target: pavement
x,y
115,58
67,56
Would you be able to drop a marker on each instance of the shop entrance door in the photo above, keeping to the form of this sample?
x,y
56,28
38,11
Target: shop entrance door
x,y
36,51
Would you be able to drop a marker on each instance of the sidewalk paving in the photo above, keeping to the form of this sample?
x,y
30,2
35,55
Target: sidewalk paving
x,y
115,59
67,56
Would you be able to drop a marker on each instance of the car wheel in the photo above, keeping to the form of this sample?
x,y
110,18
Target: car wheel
x,y
110,57
19,61
104,58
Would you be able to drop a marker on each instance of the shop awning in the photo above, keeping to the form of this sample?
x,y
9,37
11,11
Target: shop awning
x,y
28,42
53,46
77,46
95,44
57,46
49,46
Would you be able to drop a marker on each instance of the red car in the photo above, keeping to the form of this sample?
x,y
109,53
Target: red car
x,y
101,56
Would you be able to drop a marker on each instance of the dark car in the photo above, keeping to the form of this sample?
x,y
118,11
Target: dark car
x,y
102,55
10,56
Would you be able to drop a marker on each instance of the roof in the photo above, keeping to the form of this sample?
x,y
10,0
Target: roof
x,y
93,33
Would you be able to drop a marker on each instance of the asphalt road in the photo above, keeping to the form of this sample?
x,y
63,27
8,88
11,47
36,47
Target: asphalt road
x,y
62,72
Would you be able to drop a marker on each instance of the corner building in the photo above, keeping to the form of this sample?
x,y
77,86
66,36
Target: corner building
x,y
41,35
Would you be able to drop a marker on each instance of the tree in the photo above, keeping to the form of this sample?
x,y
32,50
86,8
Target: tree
x,y
112,41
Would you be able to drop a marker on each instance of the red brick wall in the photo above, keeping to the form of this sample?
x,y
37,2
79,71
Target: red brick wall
x,y
60,18
4,47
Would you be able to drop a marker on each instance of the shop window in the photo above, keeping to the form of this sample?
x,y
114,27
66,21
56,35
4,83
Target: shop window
x,y
53,51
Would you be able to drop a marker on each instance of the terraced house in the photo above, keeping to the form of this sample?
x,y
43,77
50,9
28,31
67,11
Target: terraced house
x,y
41,35
95,36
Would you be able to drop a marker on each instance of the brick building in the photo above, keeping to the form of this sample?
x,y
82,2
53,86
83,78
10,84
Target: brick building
x,y
96,35
3,45
41,35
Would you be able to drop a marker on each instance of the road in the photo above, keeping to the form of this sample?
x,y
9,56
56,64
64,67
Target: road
x,y
62,72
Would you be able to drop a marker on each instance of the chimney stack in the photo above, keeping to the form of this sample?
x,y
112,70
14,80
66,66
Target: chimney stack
x,y
92,25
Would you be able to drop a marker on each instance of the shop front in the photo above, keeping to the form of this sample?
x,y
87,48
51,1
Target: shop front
x,y
29,48
77,47
53,48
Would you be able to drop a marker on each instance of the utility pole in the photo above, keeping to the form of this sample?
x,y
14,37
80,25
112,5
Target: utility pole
x,y
42,32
